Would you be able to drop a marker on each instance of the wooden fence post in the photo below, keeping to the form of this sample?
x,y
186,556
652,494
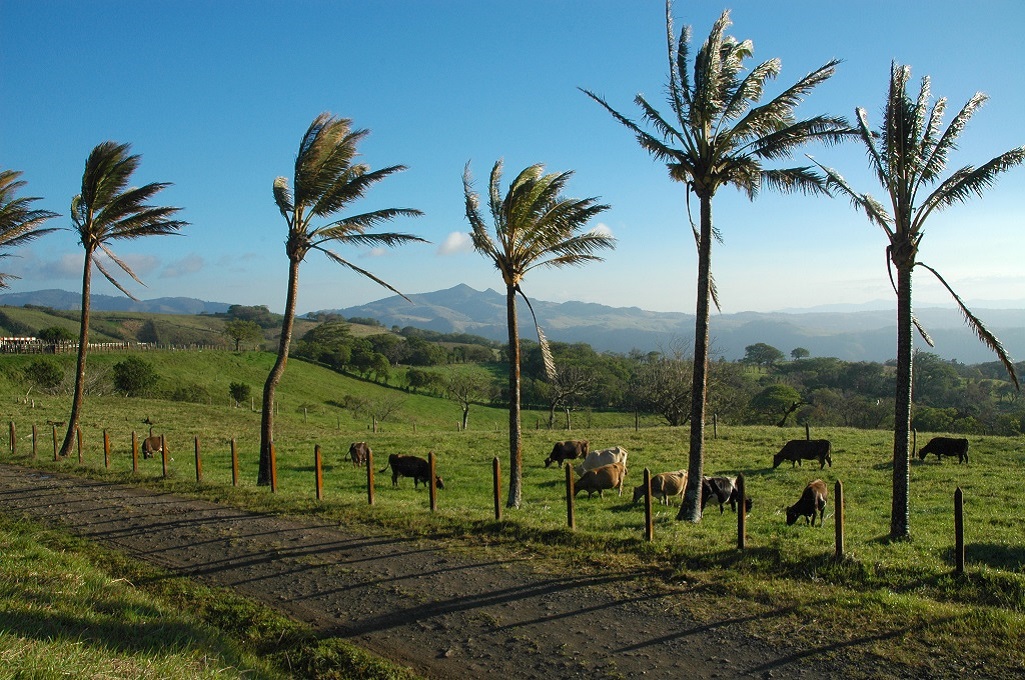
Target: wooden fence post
x,y
958,531
741,514
55,442
106,450
163,455
432,491
807,432
838,516
33,441
135,453
715,426
318,472
496,474
570,519
78,435
234,463
649,527
199,464
273,469
14,440
370,477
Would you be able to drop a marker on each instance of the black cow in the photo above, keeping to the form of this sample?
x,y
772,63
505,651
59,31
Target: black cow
x,y
411,466
724,490
797,450
359,452
946,446
812,500
567,450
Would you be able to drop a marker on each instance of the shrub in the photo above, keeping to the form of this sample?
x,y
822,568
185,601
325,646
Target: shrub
x,y
44,374
135,377
239,392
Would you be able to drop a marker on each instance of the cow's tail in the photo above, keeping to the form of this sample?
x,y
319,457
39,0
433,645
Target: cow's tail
x,y
384,468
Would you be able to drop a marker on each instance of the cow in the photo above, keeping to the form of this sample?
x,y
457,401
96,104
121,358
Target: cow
x,y
664,485
359,452
601,478
596,459
724,490
946,446
151,445
812,500
411,466
797,450
567,450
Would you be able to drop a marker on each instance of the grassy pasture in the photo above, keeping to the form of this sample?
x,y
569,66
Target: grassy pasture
x,y
906,588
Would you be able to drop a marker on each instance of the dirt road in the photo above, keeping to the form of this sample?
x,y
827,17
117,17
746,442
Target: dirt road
x,y
444,614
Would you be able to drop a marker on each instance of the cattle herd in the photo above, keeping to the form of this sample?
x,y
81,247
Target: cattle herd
x,y
606,469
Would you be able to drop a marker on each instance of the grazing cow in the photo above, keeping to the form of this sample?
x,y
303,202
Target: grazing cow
x,y
411,466
601,478
797,450
150,446
359,452
812,500
596,459
724,490
567,450
664,485
946,446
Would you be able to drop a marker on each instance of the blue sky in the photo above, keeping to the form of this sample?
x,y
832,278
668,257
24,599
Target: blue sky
x,y
215,96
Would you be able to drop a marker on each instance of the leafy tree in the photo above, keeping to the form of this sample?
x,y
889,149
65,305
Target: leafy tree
x,y
799,353
722,137
663,386
45,374
108,210
419,379
329,343
469,387
134,377
761,354
909,156
240,331
259,315
239,392
19,224
534,227
326,181
777,401
55,335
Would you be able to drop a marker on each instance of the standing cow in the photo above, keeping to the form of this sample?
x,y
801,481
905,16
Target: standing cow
x,y
600,479
359,452
152,445
411,466
946,446
724,491
797,450
595,459
813,499
567,450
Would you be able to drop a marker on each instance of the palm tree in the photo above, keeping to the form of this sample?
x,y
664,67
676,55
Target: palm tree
x,y
534,227
107,210
722,136
18,223
909,155
326,180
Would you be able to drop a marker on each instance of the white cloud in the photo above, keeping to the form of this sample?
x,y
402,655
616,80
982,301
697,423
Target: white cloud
x,y
603,229
187,265
377,252
68,266
456,242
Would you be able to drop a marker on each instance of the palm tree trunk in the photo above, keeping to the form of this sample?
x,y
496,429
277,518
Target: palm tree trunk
x,y
83,348
690,508
515,432
274,377
899,515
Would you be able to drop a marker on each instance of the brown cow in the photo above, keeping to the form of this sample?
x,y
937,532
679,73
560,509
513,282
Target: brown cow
x,y
411,466
359,452
567,450
601,478
664,485
150,446
812,500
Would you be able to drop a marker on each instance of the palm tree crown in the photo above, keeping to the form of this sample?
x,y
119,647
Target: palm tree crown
x,y
19,223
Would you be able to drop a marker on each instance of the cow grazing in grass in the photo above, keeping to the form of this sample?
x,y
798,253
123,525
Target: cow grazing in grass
x,y
664,485
596,459
946,446
359,452
724,490
797,450
151,445
567,450
812,500
600,479
411,466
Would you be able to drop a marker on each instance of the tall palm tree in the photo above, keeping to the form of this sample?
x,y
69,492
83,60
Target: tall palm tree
x,y
534,227
327,179
108,210
722,136
909,155
19,224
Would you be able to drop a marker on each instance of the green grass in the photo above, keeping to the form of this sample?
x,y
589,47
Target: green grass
x,y
903,593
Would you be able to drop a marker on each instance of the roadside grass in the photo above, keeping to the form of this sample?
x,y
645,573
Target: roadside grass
x,y
899,600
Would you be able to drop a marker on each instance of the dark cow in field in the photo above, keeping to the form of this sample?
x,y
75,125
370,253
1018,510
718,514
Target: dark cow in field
x,y
359,452
600,479
946,446
567,450
151,445
664,485
724,490
797,450
411,466
812,500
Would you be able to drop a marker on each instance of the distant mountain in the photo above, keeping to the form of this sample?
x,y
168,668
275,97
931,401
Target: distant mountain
x,y
62,299
852,336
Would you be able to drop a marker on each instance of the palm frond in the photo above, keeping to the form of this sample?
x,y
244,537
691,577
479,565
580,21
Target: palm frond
x,y
107,172
546,350
351,187
875,210
120,263
969,182
19,222
789,180
921,331
107,275
342,234
337,259
283,198
936,161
